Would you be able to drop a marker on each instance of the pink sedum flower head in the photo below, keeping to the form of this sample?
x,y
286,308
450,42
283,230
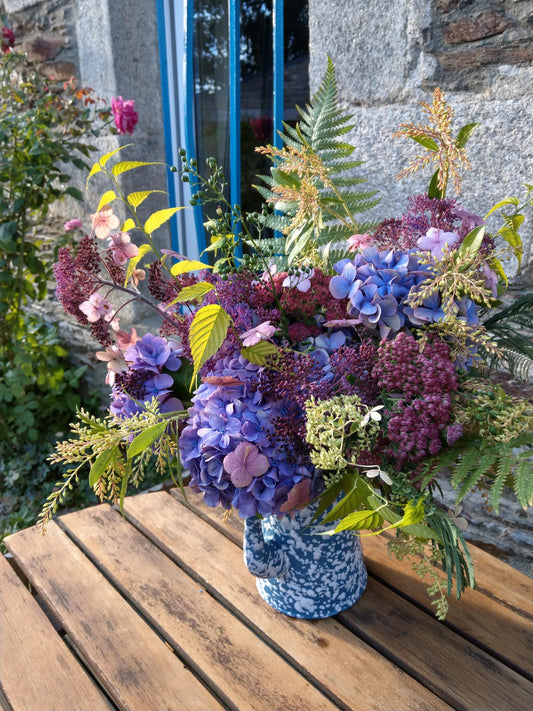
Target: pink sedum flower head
x,y
124,114
96,307
72,225
260,333
356,243
122,248
300,279
436,240
244,464
103,222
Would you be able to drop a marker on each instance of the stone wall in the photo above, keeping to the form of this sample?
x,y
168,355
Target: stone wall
x,y
391,54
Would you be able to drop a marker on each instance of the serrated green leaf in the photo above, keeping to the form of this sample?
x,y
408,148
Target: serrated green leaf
x,y
137,198
412,514
100,164
188,265
159,218
502,203
196,292
207,333
426,142
359,520
106,199
497,266
464,134
260,352
102,463
127,165
146,438
132,264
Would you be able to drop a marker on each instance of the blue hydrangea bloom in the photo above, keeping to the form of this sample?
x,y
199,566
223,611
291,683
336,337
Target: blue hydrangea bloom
x,y
224,415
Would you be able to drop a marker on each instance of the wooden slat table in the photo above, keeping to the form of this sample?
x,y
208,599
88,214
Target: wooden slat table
x,y
156,611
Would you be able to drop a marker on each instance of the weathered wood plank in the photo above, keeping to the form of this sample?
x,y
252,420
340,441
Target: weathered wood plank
x,y
136,668
454,668
478,616
37,669
336,659
225,653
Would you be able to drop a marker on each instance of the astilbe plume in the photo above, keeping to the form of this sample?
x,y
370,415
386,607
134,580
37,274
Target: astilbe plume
x,y
420,383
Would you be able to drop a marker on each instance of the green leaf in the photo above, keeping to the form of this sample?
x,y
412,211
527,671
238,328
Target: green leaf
x,y
146,438
426,142
412,514
260,353
126,165
502,203
472,241
101,464
135,199
100,164
359,520
188,265
196,292
74,192
159,218
132,264
464,134
106,199
207,333
433,191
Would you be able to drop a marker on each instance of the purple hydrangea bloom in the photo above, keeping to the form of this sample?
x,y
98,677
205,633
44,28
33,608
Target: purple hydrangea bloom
x,y
152,353
221,420
377,284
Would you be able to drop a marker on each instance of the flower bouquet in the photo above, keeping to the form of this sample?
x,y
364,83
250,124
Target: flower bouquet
x,y
316,362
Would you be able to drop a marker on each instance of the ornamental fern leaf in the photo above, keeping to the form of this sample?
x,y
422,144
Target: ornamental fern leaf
x,y
512,329
312,189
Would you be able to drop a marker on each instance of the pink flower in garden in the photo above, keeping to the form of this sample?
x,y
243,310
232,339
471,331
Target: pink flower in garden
x,y
103,222
358,242
72,225
245,463
124,114
122,248
8,40
260,333
436,240
96,307
125,340
301,279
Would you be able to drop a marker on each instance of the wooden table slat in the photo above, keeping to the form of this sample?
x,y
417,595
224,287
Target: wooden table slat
x,y
29,644
336,659
224,652
105,629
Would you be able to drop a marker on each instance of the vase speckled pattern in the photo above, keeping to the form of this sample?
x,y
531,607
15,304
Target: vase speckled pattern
x,y
299,572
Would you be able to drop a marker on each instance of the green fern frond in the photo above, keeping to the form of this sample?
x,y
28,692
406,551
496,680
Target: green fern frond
x,y
523,483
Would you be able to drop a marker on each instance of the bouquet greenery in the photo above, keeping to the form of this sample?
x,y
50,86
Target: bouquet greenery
x,y
316,356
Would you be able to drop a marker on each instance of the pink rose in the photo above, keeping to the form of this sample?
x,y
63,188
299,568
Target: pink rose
x,y
124,114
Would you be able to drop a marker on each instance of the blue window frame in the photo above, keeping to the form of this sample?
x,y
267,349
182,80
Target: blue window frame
x,y
223,66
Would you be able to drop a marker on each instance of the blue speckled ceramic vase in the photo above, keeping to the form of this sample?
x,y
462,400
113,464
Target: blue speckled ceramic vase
x,y
300,573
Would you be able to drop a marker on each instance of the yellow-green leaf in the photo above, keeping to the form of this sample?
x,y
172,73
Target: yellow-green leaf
x,y
159,218
412,514
260,352
359,520
196,292
143,249
128,225
146,438
101,464
126,165
498,268
188,265
97,167
207,333
506,201
135,199
106,199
